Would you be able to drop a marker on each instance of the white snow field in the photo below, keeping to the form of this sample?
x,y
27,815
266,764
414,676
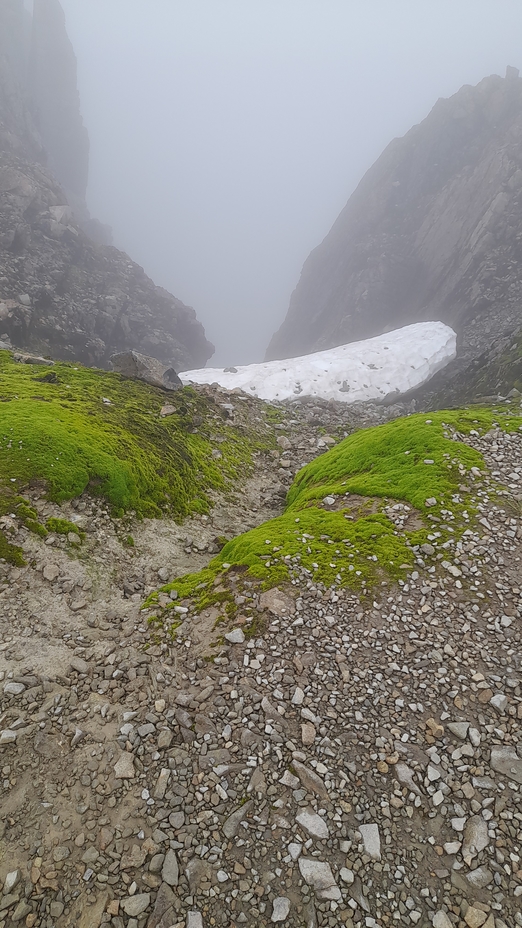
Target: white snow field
x,y
368,370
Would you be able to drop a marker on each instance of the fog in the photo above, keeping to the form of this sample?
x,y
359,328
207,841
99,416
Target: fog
x,y
227,136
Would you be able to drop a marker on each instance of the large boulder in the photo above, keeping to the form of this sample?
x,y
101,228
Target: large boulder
x,y
138,366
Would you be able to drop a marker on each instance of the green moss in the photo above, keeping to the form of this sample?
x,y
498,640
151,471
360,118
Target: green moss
x,y
19,509
408,460
89,430
256,627
389,461
63,527
13,554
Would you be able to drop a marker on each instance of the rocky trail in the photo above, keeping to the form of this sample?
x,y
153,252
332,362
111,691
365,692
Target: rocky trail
x,y
352,760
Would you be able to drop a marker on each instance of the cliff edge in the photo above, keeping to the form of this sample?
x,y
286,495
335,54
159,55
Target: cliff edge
x,y
432,232
63,290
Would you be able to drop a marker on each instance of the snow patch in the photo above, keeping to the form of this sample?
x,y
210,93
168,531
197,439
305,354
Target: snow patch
x,y
373,369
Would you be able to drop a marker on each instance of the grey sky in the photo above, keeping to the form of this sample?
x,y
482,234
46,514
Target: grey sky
x,y
227,135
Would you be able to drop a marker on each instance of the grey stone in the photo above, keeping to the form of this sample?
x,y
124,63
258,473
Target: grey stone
x,y
499,702
476,838
505,760
163,915
134,906
371,840
124,767
313,824
318,874
12,879
298,697
479,878
170,869
459,729
21,911
78,664
136,366
404,775
161,784
236,636
197,872
428,549
51,572
277,602
441,920
194,920
280,909
231,826
310,780
7,736
14,689
61,852
176,820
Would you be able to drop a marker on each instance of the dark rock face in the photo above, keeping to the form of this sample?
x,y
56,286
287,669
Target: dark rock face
x,y
431,233
61,292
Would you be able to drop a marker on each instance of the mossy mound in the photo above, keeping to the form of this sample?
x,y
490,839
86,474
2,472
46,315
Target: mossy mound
x,y
76,429
418,461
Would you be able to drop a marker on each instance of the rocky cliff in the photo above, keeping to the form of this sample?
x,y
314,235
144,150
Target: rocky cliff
x,y
431,233
62,291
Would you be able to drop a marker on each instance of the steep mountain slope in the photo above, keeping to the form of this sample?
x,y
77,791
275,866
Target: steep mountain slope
x,y
63,290
431,233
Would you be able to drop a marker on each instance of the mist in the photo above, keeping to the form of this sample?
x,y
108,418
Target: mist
x,y
226,137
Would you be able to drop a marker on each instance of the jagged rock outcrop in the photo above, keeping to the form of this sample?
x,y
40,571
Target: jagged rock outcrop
x,y
61,292
431,233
